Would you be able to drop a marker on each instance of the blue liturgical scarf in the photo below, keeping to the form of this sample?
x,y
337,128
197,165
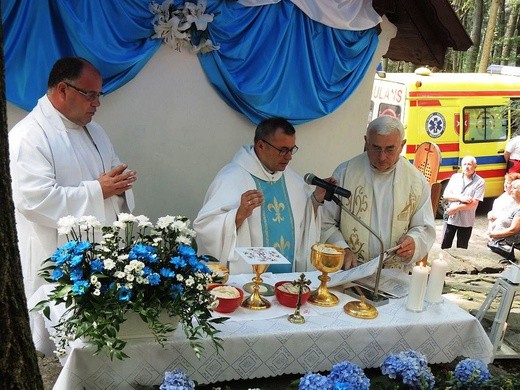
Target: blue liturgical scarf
x,y
277,221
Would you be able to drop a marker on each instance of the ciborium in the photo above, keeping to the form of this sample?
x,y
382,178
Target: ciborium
x,y
326,258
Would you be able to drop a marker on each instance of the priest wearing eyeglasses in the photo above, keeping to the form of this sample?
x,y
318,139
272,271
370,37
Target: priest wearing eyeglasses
x,y
388,194
62,163
257,200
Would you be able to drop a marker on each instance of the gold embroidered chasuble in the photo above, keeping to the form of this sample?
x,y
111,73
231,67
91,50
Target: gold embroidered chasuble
x,y
407,192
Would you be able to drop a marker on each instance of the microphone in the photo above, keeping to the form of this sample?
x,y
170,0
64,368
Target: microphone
x,y
331,188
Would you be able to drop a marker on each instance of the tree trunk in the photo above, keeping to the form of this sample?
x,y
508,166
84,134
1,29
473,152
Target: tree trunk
x,y
509,35
476,28
18,361
487,45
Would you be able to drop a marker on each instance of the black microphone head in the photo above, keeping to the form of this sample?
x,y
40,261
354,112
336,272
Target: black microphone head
x,y
309,177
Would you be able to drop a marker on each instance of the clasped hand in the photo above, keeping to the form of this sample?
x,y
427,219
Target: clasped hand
x,y
116,181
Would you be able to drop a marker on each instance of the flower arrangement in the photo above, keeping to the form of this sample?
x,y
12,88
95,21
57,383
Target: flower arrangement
x,y
184,24
135,267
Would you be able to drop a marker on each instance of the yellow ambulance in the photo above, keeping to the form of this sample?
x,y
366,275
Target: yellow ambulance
x,y
463,113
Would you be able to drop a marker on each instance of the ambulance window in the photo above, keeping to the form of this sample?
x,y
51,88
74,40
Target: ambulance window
x,y
483,124
390,110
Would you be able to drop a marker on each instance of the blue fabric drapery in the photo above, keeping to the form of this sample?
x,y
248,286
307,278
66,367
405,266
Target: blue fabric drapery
x,y
275,61
114,35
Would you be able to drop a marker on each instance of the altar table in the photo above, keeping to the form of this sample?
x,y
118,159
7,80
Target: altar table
x,y
260,346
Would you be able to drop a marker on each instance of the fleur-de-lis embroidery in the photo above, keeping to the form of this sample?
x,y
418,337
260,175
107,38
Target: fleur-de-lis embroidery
x,y
282,245
277,208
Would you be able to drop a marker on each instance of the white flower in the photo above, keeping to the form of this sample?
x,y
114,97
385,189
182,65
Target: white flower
x,y
196,14
190,281
125,217
205,46
66,224
165,222
93,279
97,292
143,221
118,224
90,222
119,274
179,277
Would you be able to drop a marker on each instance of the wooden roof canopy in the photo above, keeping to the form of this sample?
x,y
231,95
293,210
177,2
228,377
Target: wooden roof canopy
x,y
425,30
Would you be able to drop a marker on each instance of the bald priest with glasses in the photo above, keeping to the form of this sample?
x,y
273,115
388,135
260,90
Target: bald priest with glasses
x,y
62,163
257,200
388,194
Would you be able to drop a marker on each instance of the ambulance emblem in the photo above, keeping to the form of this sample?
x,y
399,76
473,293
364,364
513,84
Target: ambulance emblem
x,y
435,124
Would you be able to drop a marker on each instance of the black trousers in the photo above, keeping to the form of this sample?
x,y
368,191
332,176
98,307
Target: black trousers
x,y
463,235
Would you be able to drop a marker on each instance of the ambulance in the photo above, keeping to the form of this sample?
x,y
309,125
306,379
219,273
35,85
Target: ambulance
x,y
462,113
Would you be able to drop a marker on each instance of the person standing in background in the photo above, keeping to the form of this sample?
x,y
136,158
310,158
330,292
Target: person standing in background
x,y
464,192
62,163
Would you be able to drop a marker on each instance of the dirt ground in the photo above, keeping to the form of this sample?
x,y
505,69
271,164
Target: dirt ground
x,y
471,276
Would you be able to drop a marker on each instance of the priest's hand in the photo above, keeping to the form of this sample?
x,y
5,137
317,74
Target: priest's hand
x,y
249,201
406,248
116,181
350,259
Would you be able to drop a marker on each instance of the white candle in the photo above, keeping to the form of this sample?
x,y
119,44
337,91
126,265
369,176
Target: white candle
x,y
436,281
415,300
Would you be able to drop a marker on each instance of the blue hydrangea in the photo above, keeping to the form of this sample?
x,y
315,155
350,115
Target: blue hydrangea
x,y
176,380
411,367
472,373
347,373
311,381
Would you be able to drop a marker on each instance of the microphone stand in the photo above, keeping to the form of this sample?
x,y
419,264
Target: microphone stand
x,y
372,296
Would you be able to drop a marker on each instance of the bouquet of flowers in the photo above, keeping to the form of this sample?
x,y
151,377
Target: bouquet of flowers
x,y
185,23
135,267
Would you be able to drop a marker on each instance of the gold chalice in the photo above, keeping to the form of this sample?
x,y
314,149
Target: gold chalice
x,y
255,301
326,258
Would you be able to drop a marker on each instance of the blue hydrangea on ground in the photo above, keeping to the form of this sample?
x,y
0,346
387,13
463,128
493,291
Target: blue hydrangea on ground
x,y
471,373
411,367
176,380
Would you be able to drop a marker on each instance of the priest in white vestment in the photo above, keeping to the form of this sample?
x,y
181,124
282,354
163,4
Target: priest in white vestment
x,y
62,163
388,194
258,201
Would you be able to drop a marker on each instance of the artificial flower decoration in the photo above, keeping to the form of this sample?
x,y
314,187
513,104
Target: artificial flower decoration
x,y
135,267
184,24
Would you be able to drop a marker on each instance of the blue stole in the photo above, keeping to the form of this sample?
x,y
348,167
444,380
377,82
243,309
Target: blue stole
x,y
277,221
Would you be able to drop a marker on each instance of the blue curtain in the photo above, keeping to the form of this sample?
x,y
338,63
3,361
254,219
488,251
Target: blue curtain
x,y
275,61
114,35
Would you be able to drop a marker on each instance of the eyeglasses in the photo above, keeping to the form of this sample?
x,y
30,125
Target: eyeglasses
x,y
283,151
389,150
89,95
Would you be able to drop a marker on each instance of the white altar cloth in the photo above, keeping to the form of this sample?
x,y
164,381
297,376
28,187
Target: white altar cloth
x,y
268,347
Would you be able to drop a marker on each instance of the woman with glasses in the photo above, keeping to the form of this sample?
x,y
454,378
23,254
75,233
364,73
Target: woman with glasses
x,y
258,200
